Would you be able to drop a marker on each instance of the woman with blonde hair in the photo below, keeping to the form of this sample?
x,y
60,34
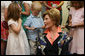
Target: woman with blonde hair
x,y
51,21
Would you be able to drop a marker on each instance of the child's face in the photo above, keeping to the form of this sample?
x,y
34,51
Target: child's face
x,y
35,12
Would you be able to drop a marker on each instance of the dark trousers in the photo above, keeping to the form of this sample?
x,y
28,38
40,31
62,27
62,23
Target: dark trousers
x,y
60,17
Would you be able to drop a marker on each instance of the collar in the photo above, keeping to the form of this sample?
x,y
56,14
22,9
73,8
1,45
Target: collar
x,y
59,30
35,16
48,35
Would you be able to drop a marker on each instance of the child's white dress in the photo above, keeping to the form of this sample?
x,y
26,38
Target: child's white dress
x,y
17,44
77,44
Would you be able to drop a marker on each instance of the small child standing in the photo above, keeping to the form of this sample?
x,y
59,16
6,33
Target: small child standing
x,y
17,43
77,21
32,22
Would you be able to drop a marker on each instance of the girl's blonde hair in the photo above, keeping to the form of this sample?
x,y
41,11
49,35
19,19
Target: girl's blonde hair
x,y
13,12
36,5
54,15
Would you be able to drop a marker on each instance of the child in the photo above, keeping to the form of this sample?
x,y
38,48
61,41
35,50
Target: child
x,y
77,21
32,22
17,41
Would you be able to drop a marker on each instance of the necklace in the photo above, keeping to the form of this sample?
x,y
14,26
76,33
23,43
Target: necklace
x,y
52,36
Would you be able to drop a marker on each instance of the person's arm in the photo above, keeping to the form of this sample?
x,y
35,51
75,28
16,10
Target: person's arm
x,y
16,29
29,28
27,9
28,23
76,25
61,3
79,25
45,3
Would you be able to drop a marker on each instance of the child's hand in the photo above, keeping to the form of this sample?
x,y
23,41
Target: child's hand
x,y
43,26
32,28
19,21
29,28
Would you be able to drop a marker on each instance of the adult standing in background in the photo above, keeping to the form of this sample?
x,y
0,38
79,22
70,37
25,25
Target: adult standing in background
x,y
26,10
55,4
25,5
43,7
4,28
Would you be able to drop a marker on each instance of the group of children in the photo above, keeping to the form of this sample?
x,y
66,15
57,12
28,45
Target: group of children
x,y
23,42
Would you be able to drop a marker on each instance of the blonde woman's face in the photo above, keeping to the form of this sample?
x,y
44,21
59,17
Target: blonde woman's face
x,y
48,22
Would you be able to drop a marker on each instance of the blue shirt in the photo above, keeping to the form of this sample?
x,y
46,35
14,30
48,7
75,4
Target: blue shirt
x,y
33,21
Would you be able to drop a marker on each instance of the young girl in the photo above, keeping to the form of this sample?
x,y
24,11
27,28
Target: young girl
x,y
17,41
77,21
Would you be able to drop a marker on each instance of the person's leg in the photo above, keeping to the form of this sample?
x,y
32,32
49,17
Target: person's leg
x,y
5,43
32,47
3,47
60,17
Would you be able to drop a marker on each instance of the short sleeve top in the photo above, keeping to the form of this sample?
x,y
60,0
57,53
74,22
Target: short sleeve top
x,y
77,15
